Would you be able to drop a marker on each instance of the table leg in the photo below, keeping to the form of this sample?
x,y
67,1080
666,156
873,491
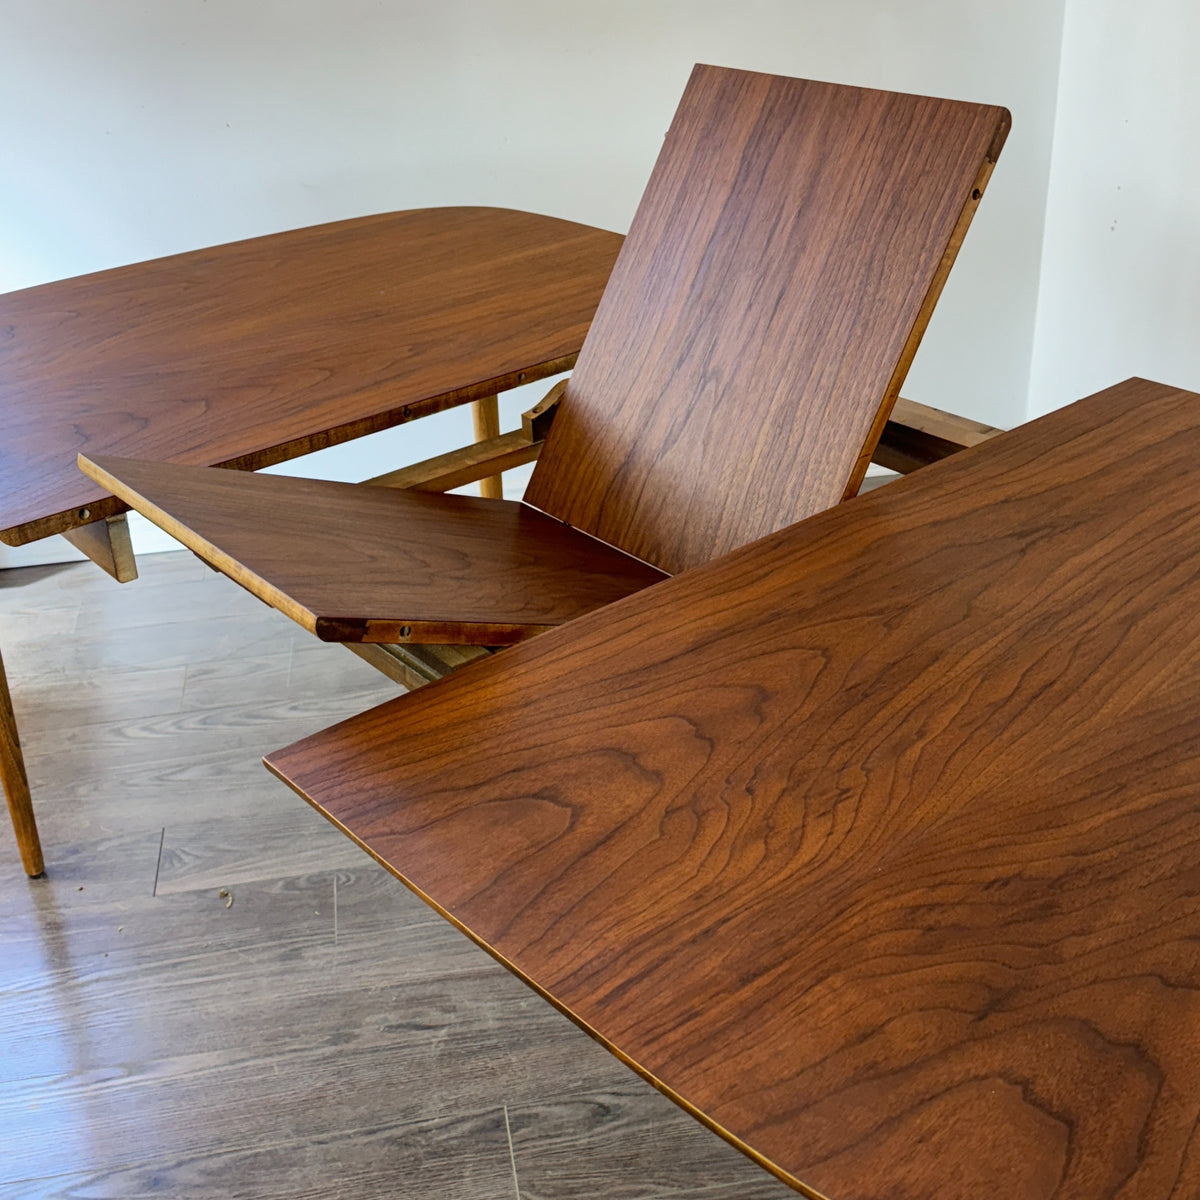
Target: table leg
x,y
16,785
486,414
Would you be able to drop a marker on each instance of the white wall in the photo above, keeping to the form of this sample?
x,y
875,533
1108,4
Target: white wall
x,y
1120,286
137,128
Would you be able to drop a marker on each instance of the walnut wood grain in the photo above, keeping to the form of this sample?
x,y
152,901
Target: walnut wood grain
x,y
254,352
874,843
763,312
914,436
750,345
353,563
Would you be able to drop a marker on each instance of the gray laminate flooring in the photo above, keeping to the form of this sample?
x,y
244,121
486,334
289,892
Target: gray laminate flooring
x,y
213,993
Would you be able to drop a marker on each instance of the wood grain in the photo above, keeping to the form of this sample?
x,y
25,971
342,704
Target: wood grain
x,y
106,542
269,1048
592,1145
254,352
353,563
466,464
485,419
873,843
766,304
761,256
914,436
16,785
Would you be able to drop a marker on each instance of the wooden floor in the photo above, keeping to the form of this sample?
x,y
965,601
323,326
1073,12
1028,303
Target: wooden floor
x,y
214,994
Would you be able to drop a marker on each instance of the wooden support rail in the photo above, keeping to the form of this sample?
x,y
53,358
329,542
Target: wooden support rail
x,y
915,436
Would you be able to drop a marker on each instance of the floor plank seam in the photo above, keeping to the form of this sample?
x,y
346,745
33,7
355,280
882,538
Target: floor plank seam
x,y
512,1154
158,862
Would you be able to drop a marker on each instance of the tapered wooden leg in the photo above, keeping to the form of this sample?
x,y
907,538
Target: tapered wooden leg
x,y
486,414
16,785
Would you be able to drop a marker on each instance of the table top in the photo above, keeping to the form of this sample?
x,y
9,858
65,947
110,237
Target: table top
x,y
355,563
258,351
873,844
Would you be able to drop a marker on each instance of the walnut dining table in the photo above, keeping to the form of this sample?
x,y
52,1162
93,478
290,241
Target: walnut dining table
x,y
251,353
875,844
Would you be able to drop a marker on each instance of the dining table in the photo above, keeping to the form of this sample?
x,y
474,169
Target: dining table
x,y
251,353
872,844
